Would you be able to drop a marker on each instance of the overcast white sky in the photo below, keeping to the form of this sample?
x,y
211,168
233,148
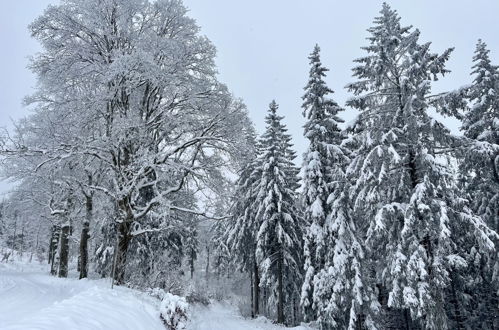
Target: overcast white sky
x,y
263,46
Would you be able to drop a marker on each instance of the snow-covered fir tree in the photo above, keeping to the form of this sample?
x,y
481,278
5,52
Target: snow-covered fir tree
x,y
481,126
323,162
416,225
242,229
479,170
279,238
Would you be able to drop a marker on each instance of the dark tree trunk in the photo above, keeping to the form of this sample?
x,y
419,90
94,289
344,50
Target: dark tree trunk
x,y
251,295
280,291
51,246
14,239
64,251
122,249
458,318
22,241
54,244
85,235
256,289
207,270
191,261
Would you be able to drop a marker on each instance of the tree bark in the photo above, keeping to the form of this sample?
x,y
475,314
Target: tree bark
x,y
122,249
22,241
458,318
64,251
280,291
256,289
54,244
14,238
191,261
84,238
251,294
207,263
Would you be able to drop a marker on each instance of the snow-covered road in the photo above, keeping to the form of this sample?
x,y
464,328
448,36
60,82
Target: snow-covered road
x,y
33,300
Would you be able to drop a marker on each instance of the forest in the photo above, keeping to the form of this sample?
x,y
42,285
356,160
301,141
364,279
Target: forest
x,y
139,166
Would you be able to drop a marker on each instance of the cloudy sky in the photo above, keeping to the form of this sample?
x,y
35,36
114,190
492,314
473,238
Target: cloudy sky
x,y
263,46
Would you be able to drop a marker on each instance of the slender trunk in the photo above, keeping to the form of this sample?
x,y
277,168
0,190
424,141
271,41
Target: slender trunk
x,y
51,246
192,263
14,238
407,319
64,251
54,244
84,238
457,310
280,291
251,295
294,311
121,252
256,289
22,241
207,263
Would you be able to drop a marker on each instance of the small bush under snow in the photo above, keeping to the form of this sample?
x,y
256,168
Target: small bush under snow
x,y
173,309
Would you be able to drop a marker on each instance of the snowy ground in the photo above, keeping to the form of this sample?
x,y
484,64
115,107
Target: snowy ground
x,y
223,317
30,299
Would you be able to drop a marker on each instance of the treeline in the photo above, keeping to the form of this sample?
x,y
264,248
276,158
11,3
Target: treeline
x,y
396,223
391,223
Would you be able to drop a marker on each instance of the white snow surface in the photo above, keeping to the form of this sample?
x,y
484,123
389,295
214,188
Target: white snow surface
x,y
31,299
219,316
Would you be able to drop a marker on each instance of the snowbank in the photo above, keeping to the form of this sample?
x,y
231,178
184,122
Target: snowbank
x,y
32,299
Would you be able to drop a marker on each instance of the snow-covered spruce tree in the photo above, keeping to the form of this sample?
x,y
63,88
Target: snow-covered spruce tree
x,y
479,168
242,228
279,238
406,204
322,161
222,255
481,126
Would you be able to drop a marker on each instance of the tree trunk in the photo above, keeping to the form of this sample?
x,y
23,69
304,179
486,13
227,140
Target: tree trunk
x,y
251,294
54,244
191,261
256,289
85,235
407,319
51,246
22,241
64,251
207,263
122,249
280,291
458,319
14,238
